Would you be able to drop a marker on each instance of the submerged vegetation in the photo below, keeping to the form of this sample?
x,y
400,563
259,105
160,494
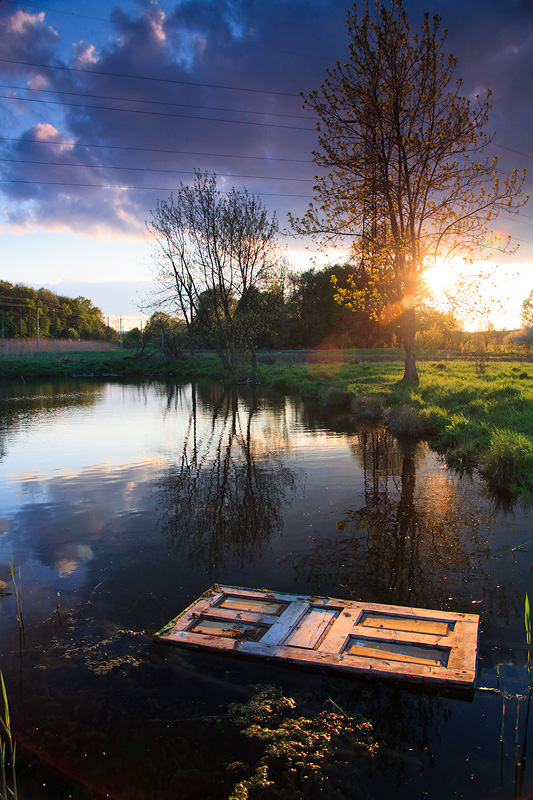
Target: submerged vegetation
x,y
299,753
7,750
478,420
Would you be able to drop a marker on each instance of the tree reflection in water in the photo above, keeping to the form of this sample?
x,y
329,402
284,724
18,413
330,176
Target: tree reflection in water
x,y
223,499
419,538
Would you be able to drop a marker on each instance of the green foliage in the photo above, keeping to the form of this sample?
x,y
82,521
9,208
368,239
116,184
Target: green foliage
x,y
167,333
299,752
405,420
59,316
527,619
314,316
508,462
368,407
8,750
336,396
433,419
527,311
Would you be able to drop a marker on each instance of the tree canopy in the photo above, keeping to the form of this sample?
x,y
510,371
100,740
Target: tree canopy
x,y
59,316
213,252
404,177
527,311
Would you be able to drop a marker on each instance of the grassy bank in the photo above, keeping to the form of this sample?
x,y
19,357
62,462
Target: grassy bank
x,y
106,363
479,420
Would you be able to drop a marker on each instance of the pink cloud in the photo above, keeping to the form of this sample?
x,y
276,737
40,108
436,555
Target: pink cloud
x,y
83,54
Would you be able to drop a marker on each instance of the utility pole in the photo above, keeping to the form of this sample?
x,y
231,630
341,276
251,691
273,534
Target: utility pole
x,y
37,325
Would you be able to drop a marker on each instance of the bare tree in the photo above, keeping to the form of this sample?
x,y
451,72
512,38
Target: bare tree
x,y
213,254
399,146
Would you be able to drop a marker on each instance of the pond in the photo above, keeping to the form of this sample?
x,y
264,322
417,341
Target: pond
x,y
120,503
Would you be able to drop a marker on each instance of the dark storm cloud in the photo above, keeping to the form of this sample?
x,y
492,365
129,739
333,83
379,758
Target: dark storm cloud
x,y
283,46
221,44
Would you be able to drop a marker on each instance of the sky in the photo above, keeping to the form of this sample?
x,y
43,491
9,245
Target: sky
x,y
104,110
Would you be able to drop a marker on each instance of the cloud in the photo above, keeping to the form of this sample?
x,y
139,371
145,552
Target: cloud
x,y
83,54
190,53
23,35
198,43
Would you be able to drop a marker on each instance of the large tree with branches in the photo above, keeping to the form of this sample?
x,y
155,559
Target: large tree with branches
x,y
405,178
213,253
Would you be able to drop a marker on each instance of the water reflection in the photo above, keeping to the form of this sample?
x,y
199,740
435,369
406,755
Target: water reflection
x,y
416,537
23,404
88,488
224,495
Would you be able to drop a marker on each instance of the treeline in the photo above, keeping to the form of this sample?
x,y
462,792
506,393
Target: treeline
x,y
26,312
303,313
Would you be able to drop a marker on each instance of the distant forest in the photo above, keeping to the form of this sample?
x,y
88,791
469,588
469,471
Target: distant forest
x,y
23,308
301,312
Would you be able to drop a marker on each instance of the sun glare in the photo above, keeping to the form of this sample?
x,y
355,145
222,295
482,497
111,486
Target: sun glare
x,y
438,278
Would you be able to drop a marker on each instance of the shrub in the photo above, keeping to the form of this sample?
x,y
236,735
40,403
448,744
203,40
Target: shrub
x,y
433,419
335,396
405,420
464,457
508,462
368,407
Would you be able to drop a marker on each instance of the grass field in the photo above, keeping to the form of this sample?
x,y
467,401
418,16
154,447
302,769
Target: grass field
x,y
28,346
480,420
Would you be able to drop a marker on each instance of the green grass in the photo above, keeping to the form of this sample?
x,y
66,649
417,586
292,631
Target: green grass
x,y
478,420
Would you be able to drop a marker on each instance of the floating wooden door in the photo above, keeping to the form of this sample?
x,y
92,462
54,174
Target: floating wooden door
x,y
396,641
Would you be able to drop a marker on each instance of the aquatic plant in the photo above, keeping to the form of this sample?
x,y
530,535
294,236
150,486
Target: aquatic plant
x,y
300,751
17,589
527,619
7,750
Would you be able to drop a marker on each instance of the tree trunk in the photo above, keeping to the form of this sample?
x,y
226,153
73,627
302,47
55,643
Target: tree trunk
x,y
223,358
408,329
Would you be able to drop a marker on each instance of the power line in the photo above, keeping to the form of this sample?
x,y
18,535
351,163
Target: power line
x,y
151,102
154,150
147,78
155,113
121,186
511,150
149,169
171,171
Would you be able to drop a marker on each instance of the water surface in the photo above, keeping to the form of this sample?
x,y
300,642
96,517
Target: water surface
x,y
122,502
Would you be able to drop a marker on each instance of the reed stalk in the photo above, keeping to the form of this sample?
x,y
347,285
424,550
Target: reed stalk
x,y
527,619
8,749
17,588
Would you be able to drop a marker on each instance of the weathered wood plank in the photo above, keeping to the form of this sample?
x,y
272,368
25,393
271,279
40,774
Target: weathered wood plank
x,y
269,606
284,624
310,628
253,617
400,622
352,636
